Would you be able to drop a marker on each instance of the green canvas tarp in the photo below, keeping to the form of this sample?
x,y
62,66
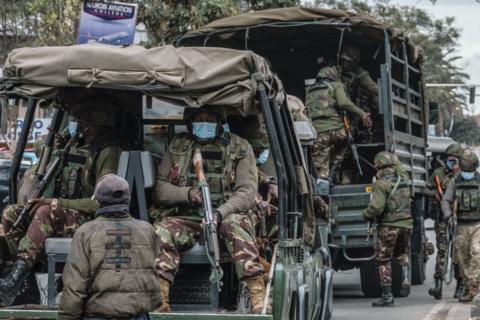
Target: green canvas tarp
x,y
193,76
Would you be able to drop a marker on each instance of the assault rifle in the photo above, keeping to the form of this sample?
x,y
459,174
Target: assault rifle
x,y
352,144
42,184
209,223
449,269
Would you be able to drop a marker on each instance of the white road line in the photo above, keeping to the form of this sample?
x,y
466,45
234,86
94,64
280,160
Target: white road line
x,y
434,313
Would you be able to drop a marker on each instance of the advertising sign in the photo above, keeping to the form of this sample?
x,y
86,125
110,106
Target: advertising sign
x,y
39,128
107,22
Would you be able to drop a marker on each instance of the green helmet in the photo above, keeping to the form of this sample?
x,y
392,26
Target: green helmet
x,y
384,159
94,110
454,150
351,54
330,73
468,161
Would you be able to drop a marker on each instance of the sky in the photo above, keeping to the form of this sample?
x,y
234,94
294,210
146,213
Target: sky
x,y
467,14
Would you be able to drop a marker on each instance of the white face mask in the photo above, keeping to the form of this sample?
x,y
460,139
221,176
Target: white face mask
x,y
263,156
72,128
467,175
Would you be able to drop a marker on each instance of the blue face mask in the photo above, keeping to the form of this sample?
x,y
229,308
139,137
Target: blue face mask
x,y
226,128
262,158
451,164
72,128
204,130
467,175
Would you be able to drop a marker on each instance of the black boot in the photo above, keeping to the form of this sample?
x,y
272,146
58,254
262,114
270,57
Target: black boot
x,y
459,290
11,286
386,300
405,291
436,291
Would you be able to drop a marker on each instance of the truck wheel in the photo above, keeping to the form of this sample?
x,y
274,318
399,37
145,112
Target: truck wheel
x,y
418,268
397,281
369,279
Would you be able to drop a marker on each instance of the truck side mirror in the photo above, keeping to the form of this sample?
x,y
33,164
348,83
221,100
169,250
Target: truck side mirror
x,y
433,112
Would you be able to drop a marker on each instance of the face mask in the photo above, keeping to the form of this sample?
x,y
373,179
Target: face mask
x,y
451,164
226,128
262,158
467,175
72,128
204,130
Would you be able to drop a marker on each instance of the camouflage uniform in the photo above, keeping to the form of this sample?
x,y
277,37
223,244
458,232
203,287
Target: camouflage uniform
x,y
232,176
466,196
390,206
325,100
110,271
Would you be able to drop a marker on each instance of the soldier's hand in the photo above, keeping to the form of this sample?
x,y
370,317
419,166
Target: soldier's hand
x,y
367,120
272,193
217,217
195,196
38,203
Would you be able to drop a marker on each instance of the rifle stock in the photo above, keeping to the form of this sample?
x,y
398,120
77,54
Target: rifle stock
x,y
352,144
43,183
438,186
209,223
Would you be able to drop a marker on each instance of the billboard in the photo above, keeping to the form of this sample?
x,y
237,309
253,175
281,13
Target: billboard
x,y
39,128
107,22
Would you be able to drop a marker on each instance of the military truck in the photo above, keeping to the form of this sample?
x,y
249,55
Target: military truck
x,y
295,40
146,84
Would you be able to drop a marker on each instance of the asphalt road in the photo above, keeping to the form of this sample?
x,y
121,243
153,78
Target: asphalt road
x,y
349,302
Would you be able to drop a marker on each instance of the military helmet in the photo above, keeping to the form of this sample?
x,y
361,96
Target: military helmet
x,y
188,114
94,110
385,159
112,189
468,161
454,150
351,54
330,73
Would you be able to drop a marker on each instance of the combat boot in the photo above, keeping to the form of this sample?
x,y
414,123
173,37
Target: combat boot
x,y
256,288
12,285
459,290
386,300
436,291
405,291
469,294
165,295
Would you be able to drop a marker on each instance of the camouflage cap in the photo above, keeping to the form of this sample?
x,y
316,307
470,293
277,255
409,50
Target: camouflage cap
x,y
112,189
454,150
328,73
468,161
351,54
385,159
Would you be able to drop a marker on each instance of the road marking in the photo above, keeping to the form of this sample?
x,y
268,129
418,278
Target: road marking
x,y
438,312
451,310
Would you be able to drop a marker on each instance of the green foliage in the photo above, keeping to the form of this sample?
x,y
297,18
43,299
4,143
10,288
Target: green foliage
x,y
467,130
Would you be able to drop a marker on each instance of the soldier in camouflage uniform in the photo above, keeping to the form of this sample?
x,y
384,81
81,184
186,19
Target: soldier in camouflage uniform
x,y
325,101
232,176
390,206
464,195
362,89
66,203
444,174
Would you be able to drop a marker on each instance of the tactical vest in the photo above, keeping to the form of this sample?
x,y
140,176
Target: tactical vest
x,y
320,101
398,199
220,160
467,195
71,181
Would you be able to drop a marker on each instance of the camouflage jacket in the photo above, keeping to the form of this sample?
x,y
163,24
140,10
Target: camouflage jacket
x,y
110,271
362,89
237,179
444,175
390,200
338,101
467,195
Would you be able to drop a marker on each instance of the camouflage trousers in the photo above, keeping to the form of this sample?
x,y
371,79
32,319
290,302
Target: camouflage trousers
x,y
392,242
329,150
27,242
178,235
467,246
441,229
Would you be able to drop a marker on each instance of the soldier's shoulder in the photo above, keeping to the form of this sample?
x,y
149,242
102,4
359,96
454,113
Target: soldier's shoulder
x,y
181,143
87,228
240,145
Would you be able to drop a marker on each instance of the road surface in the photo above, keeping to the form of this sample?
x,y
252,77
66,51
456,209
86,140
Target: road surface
x,y
350,304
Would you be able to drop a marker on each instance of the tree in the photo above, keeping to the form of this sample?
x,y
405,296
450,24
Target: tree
x,y
439,39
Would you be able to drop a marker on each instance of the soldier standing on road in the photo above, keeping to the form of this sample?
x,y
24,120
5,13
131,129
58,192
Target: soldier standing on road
x,y
326,100
110,271
390,206
464,195
232,175
67,203
444,174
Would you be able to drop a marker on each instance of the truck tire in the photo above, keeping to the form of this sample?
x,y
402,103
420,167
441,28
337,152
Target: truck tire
x,y
369,279
397,281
